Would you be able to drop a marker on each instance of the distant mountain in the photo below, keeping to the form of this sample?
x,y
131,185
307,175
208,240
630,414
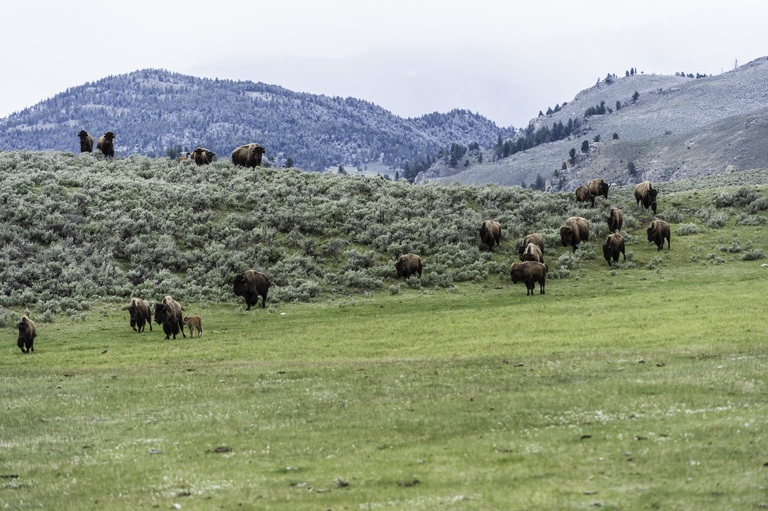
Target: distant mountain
x,y
676,127
153,110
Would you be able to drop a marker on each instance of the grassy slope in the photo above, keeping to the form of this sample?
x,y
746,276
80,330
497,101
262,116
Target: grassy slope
x,y
417,400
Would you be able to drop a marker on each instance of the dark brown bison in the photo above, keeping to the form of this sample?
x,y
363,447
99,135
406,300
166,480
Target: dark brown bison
x,y
583,195
615,220
574,231
532,253
248,155
534,238
106,144
614,245
140,314
598,188
86,142
168,314
407,265
657,232
530,272
250,285
27,334
202,156
490,233
645,193
193,322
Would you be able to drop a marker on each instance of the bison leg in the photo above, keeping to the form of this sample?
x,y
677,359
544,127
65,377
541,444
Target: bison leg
x,y
542,284
264,300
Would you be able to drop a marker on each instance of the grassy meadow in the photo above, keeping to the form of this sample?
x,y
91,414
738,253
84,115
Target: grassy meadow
x,y
637,387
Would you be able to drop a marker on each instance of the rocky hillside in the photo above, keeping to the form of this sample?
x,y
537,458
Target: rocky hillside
x,y
676,127
153,110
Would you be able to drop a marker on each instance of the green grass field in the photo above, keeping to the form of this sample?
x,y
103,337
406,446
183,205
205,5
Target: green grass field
x,y
634,388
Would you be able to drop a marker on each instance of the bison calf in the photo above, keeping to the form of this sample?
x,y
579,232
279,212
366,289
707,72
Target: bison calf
x,y
140,314
490,233
250,285
530,272
614,245
657,232
407,265
193,322
27,334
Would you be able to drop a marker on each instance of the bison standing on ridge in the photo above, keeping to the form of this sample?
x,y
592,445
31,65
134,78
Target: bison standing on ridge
x,y
140,314
583,195
168,314
106,144
614,245
202,156
490,233
86,142
27,334
534,238
646,193
598,187
532,252
407,265
615,220
657,232
248,155
574,231
530,272
250,285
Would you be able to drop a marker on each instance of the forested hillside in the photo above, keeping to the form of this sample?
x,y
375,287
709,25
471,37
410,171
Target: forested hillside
x,y
151,111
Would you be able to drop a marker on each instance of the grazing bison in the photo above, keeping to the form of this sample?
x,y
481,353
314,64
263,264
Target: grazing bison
x,y
574,231
657,232
202,156
86,142
250,285
598,188
407,265
646,193
534,238
490,233
140,314
614,245
106,144
27,334
615,220
583,195
168,314
530,272
248,155
193,322
532,253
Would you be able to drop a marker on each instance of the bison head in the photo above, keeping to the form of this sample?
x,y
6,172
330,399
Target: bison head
x,y
256,153
109,136
238,286
83,134
604,189
607,252
566,236
400,268
162,313
651,232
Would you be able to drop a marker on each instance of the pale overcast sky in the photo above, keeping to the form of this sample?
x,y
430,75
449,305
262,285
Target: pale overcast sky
x,y
504,59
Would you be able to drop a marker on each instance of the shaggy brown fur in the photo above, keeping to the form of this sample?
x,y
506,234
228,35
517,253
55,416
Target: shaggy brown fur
x,y
534,238
532,253
598,188
202,156
583,195
490,233
407,265
27,334
86,142
530,272
106,144
615,220
248,155
140,314
574,231
193,322
168,314
614,245
645,193
250,285
657,232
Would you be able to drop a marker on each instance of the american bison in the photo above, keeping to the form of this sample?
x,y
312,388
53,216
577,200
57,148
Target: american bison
x,y
614,245
407,265
193,322
248,155
183,158
532,252
657,232
574,231
490,233
534,238
27,334
530,272
106,144
168,314
202,156
645,193
583,195
615,220
140,314
598,188
250,285
86,142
